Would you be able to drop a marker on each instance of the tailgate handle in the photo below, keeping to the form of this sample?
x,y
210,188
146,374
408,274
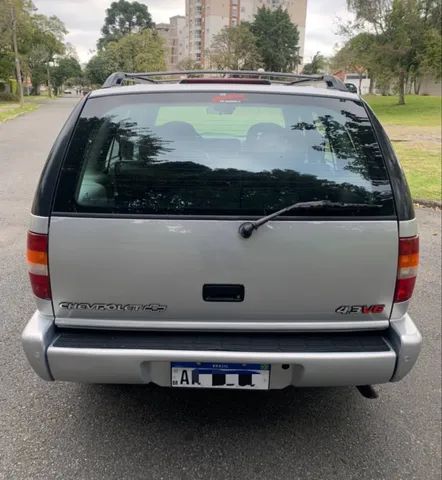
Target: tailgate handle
x,y
223,293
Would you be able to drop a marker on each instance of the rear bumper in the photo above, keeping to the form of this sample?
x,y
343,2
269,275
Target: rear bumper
x,y
313,359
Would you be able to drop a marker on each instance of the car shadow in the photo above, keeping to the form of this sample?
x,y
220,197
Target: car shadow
x,y
223,433
224,407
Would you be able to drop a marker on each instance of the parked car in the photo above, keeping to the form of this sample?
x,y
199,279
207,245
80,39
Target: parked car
x,y
351,87
68,92
223,232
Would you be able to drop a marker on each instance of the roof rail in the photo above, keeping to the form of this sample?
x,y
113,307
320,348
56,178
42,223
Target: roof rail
x,y
119,78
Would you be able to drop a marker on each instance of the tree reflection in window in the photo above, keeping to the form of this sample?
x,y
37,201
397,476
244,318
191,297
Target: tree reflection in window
x,y
133,168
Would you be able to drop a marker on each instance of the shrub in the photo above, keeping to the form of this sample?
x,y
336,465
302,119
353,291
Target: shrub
x,y
8,97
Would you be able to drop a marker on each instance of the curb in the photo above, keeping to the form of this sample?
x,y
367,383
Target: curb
x,y
427,203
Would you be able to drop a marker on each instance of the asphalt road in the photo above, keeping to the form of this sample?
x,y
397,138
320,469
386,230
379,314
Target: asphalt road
x,y
67,431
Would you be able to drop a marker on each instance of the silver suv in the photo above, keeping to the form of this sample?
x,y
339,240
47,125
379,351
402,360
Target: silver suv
x,y
236,230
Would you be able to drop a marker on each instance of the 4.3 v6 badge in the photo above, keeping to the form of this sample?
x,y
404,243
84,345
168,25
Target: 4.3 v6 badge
x,y
361,309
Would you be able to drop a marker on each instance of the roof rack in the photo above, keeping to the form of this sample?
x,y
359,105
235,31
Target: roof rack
x,y
224,76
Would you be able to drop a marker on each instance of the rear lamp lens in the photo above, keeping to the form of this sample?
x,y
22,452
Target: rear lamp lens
x,y
37,257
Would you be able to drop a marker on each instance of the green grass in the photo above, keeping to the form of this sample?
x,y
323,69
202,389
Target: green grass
x,y
423,169
10,110
418,143
418,111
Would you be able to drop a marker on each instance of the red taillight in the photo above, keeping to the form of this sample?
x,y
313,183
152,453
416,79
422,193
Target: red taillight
x,y
407,268
40,286
37,256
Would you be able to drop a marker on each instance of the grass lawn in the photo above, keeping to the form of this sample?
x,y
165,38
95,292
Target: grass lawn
x,y
415,130
10,110
423,169
418,111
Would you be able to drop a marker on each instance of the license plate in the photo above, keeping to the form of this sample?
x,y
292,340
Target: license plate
x,y
220,375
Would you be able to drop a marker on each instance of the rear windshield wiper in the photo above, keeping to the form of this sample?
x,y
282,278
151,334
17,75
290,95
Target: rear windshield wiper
x,y
246,229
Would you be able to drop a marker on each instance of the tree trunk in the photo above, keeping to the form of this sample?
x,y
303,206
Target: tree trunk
x,y
49,80
16,55
360,84
410,82
402,81
371,85
417,85
35,89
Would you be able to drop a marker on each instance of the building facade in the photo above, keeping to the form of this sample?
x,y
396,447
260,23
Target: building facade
x,y
179,39
206,18
175,37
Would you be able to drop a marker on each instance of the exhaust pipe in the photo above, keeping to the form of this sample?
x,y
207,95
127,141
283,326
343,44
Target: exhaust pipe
x,y
368,391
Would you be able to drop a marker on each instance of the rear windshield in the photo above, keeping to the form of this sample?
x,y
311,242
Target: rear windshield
x,y
222,154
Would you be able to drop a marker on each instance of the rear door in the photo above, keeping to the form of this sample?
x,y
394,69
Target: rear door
x,y
155,187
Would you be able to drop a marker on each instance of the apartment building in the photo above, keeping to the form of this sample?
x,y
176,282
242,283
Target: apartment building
x,y
175,36
206,18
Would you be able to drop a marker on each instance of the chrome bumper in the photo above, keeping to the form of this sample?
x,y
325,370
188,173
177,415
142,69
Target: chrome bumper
x,y
144,365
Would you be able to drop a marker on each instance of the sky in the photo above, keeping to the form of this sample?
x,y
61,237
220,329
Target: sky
x,y
84,19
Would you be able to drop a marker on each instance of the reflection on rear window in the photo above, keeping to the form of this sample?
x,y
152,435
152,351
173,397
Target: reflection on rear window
x,y
238,154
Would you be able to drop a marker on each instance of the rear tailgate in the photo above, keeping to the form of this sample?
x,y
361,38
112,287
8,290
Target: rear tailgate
x,y
155,187
155,270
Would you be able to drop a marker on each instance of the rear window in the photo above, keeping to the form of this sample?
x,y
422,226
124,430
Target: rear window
x,y
222,154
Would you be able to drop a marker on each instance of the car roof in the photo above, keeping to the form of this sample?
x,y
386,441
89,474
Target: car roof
x,y
223,87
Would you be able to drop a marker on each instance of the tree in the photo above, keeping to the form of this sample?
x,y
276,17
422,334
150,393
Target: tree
x,y
136,52
431,56
37,59
359,55
70,51
317,64
14,15
235,48
277,39
99,67
124,18
29,42
18,70
48,37
189,64
67,68
374,13
141,52
406,33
